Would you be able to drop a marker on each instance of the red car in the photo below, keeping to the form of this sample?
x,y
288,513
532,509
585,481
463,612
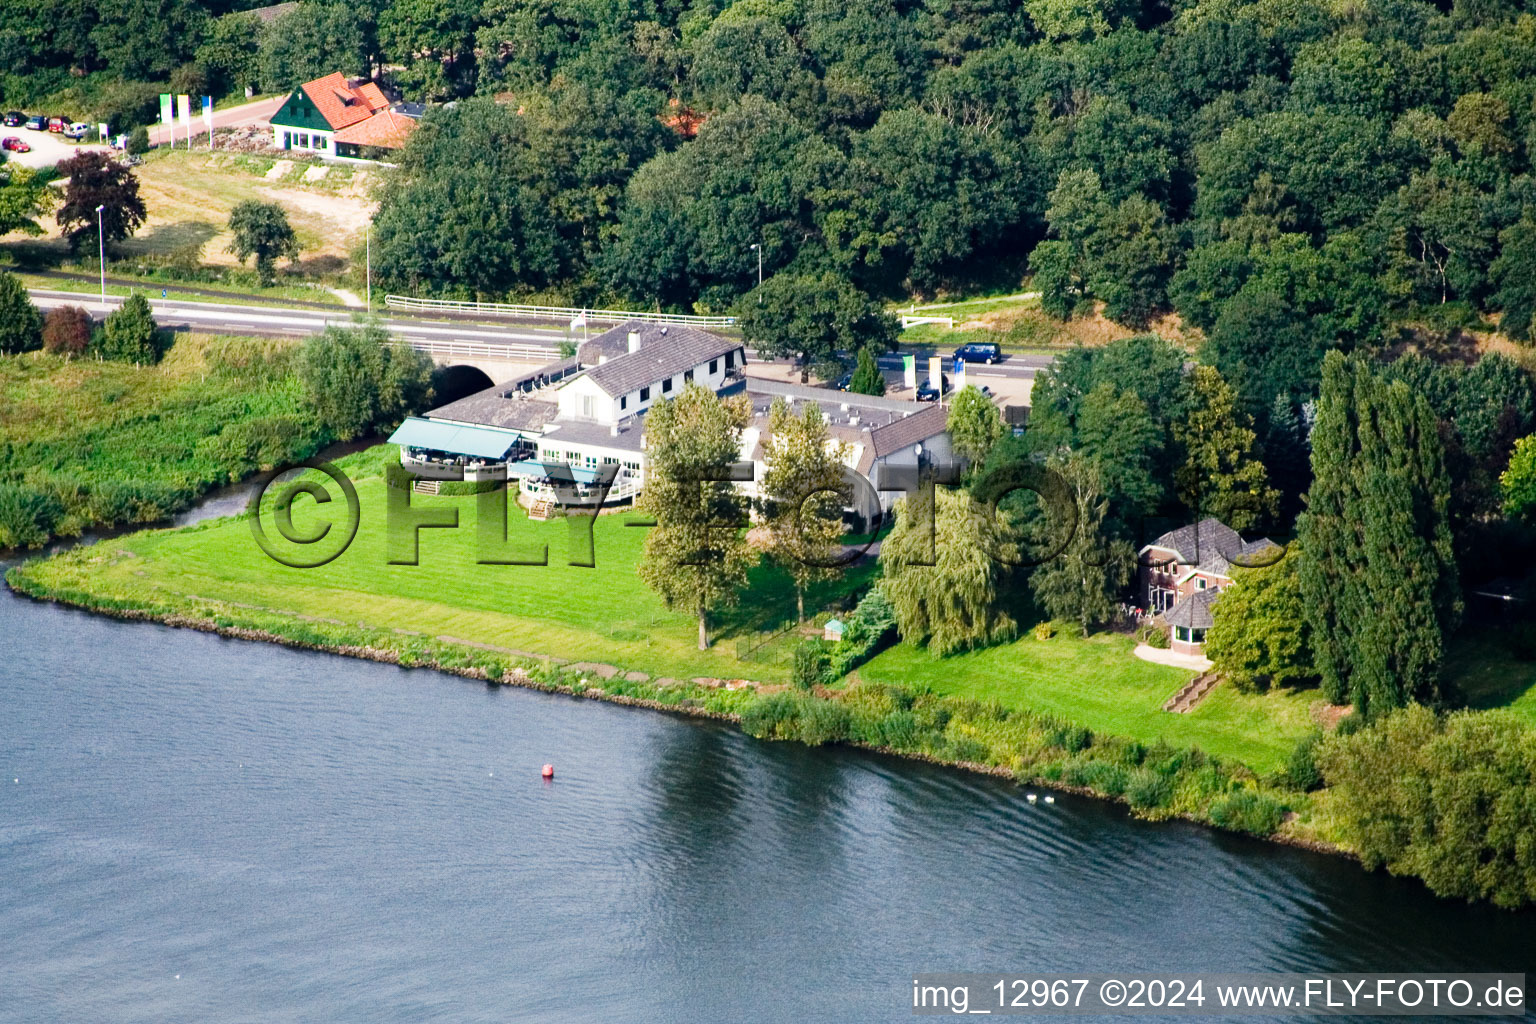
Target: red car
x,y
58,124
14,144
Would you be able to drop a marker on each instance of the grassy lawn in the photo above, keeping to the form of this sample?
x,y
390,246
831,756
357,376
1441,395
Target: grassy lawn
x,y
1099,683
1481,664
188,197
603,614
1017,324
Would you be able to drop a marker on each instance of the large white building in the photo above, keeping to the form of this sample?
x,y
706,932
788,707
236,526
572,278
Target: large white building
x,y
586,411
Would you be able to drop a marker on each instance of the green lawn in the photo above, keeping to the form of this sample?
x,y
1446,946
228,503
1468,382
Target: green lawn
x,y
603,614
1481,665
280,295
1099,683
606,614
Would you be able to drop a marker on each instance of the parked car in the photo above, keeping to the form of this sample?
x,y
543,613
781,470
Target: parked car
x,y
925,392
979,352
843,383
14,145
58,124
14,118
36,123
77,130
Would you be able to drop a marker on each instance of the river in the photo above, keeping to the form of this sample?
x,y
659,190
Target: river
x,y
202,829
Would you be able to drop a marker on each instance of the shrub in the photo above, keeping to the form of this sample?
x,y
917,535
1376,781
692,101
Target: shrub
x,y
67,331
27,518
1071,738
21,326
1044,630
1248,811
130,333
1147,789
1099,776
138,141
1301,770
810,663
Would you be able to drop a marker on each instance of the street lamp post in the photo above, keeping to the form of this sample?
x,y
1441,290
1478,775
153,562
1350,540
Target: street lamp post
x,y
757,248
101,251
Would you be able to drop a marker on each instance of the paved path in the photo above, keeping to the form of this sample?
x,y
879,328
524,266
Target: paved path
x,y
1159,656
240,319
254,112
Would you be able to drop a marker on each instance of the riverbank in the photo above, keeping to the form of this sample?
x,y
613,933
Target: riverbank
x,y
91,444
1157,780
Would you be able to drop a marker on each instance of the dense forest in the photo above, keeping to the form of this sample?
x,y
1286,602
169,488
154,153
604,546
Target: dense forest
x,y
1287,176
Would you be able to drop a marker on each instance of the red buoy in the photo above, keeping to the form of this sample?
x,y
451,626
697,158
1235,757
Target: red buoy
x,y
549,771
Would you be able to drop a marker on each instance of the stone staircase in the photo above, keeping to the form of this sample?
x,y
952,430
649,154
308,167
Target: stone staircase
x,y
1192,693
426,487
542,510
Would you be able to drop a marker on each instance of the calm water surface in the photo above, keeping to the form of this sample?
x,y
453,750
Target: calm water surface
x,y
211,830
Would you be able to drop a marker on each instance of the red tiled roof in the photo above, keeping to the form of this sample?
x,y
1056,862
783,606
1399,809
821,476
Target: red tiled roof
x,y
386,130
340,104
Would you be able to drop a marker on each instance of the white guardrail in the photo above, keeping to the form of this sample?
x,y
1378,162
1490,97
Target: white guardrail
x,y
561,313
477,350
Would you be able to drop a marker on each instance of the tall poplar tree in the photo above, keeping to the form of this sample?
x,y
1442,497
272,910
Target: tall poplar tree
x,y
1220,474
1380,579
695,556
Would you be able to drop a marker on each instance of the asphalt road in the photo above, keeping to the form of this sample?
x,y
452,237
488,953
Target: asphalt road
x,y
229,318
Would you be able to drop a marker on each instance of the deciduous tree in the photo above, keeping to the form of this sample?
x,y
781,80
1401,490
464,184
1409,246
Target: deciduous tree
x,y
262,230
1220,474
821,315
67,331
944,564
1262,636
803,495
95,179
356,382
974,424
1080,567
696,556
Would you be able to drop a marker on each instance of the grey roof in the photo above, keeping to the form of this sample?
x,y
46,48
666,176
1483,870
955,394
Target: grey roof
x,y
822,396
902,433
630,437
1207,546
494,408
665,351
1193,610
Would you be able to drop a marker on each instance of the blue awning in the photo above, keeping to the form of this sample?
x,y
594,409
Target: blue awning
x,y
537,469
456,438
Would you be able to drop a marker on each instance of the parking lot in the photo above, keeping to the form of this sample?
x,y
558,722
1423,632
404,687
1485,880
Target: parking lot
x,y
47,147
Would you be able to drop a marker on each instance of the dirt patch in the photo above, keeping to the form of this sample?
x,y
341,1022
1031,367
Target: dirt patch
x,y
1328,716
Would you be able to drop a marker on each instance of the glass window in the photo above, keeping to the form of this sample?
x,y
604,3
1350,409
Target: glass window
x,y
687,375
666,385
586,405
1181,633
730,360
1199,584
714,366
645,394
624,402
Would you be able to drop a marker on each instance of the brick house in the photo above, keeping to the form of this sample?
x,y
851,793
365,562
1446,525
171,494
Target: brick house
x,y
1183,572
